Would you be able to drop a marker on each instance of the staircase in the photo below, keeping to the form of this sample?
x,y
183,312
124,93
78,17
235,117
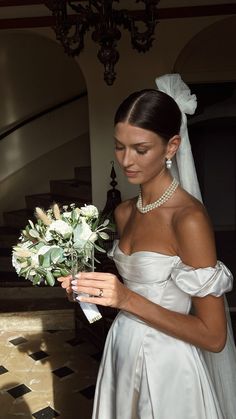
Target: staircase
x,y
37,307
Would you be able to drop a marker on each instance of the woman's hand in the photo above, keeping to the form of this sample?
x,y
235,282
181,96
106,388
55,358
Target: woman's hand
x,y
103,288
66,284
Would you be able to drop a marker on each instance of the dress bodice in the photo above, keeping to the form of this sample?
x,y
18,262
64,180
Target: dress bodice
x,y
166,280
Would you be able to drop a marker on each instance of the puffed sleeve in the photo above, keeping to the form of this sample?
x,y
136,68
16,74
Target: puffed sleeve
x,y
202,281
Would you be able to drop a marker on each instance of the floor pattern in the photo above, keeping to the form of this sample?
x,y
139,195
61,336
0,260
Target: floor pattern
x,y
46,375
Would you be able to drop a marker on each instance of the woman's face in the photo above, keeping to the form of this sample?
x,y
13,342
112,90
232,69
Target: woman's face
x,y
140,153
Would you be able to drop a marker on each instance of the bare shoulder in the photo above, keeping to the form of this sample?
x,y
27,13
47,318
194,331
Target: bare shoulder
x,y
123,213
194,234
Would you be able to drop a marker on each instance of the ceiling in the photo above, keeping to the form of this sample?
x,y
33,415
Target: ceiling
x,y
31,13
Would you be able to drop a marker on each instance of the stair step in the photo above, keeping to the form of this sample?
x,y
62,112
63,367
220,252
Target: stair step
x,y
38,320
6,264
8,237
83,173
46,200
18,218
73,189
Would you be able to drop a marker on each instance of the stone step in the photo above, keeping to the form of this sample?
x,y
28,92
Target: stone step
x,y
73,189
83,173
8,237
39,320
46,200
18,218
6,264
36,308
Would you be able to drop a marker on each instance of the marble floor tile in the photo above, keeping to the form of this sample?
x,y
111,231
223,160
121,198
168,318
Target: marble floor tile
x,y
45,374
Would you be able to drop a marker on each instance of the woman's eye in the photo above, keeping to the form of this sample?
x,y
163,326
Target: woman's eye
x,y
118,147
141,151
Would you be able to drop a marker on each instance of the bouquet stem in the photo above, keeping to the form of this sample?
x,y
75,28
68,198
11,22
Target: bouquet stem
x,y
90,310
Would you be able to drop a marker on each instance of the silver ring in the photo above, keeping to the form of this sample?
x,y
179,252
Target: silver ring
x,y
100,293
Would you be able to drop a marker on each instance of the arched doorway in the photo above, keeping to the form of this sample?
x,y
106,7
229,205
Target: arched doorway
x,y
208,65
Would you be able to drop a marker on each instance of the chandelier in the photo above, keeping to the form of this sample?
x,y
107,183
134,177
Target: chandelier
x,y
75,17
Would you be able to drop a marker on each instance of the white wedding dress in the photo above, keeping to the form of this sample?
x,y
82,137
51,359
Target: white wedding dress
x,y
146,374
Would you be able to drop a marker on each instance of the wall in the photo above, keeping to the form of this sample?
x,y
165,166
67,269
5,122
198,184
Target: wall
x,y
36,74
135,71
34,177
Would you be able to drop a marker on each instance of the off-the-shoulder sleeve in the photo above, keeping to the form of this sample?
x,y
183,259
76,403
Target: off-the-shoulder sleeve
x,y
202,281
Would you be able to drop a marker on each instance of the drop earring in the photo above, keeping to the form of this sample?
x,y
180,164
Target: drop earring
x,y
168,163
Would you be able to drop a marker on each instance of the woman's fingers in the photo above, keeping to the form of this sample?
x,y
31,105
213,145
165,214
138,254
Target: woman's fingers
x,y
65,281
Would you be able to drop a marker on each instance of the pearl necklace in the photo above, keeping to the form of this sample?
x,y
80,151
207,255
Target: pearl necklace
x,y
160,201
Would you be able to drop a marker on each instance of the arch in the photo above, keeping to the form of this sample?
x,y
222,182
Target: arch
x,y
210,55
36,74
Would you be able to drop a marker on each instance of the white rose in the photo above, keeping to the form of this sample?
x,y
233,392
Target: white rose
x,y
59,226
89,211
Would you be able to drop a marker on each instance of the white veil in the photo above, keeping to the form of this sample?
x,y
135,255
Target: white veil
x,y
222,365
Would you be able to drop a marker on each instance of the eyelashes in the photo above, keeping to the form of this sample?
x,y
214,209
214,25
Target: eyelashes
x,y
142,152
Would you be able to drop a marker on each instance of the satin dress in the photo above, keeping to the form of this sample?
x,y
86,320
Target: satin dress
x,y
144,373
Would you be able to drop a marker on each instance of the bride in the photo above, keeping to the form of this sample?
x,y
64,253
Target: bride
x,y
160,358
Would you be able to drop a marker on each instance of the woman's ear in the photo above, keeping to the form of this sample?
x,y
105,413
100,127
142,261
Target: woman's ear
x,y
172,146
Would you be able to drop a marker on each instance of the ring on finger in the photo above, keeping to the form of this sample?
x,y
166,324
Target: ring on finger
x,y
100,293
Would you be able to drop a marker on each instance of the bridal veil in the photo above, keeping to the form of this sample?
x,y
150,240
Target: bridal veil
x,y
222,365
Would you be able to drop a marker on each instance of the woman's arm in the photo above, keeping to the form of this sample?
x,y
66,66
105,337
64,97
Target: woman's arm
x,y
207,327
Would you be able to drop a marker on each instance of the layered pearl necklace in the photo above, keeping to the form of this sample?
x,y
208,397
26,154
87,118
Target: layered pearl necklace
x,y
160,201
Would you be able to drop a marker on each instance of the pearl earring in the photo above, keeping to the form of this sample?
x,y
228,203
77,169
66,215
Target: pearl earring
x,y
168,163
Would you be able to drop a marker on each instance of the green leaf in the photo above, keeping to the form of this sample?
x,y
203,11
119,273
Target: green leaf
x,y
36,280
41,271
105,223
34,233
104,235
50,279
56,255
64,272
100,249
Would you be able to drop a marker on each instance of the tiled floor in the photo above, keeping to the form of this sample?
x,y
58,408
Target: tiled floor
x,y
46,375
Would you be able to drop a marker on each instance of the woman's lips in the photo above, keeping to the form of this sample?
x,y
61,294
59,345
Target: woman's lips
x,y
131,173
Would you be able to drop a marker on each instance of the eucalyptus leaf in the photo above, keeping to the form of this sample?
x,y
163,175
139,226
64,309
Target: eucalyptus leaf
x,y
34,233
105,223
104,235
100,249
50,279
36,279
41,258
56,255
46,259
64,272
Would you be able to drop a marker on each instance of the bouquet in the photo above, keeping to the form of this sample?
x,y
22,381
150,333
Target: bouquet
x,y
60,243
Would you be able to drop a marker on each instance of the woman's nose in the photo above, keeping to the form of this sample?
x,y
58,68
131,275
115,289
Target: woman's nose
x,y
127,158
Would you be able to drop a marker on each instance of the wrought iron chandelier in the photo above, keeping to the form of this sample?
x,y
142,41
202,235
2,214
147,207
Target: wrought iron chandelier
x,y
74,19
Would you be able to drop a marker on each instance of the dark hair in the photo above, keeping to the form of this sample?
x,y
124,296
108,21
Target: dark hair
x,y
152,110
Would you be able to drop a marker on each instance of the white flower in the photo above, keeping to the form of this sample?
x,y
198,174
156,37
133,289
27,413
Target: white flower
x,y
59,226
89,211
82,234
16,253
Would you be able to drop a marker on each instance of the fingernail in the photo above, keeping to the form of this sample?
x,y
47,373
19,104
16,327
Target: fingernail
x,y
74,282
77,275
74,288
78,298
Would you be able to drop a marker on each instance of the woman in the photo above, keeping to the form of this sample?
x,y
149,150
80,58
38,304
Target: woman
x,y
153,366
